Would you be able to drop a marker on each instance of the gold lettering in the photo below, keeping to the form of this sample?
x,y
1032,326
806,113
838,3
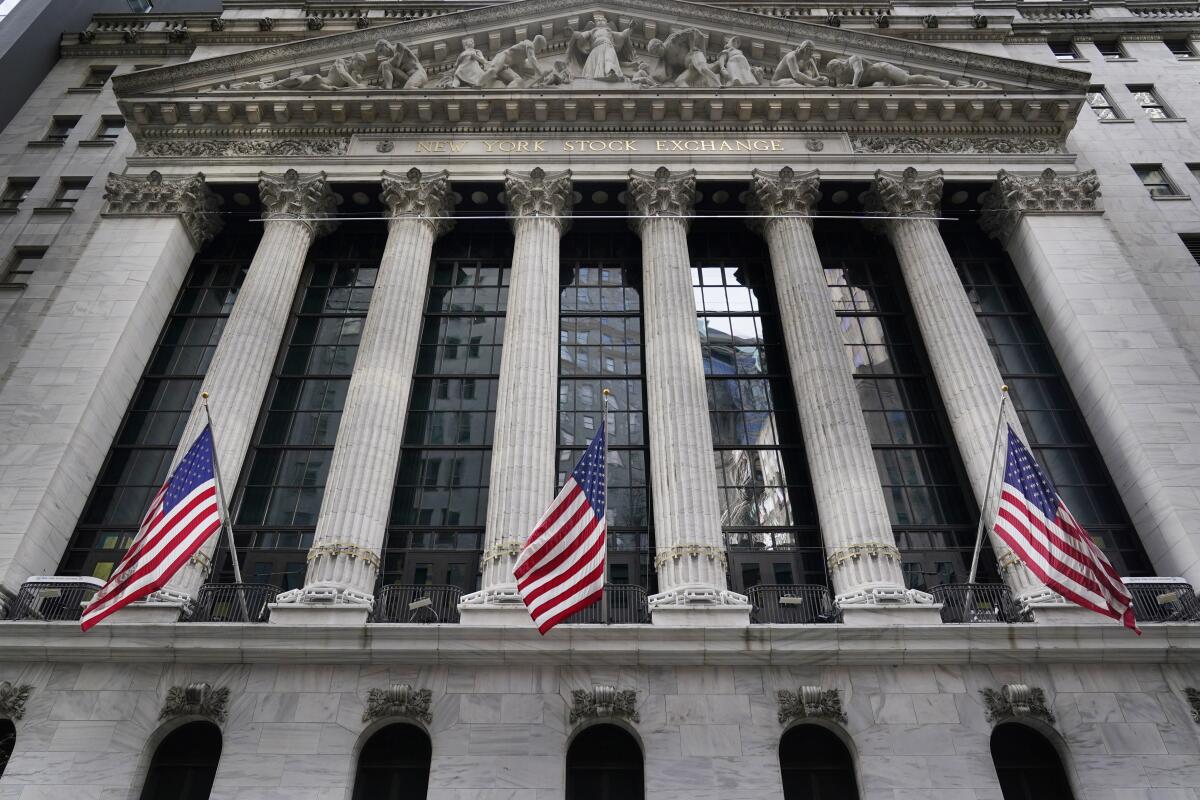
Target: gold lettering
x,y
743,145
456,147
523,147
423,147
660,145
488,145
568,146
537,146
726,146
776,145
708,144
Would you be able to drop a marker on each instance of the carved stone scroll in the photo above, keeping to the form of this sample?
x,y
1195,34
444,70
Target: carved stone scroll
x,y
154,196
1016,700
603,702
196,699
1012,196
12,699
398,700
810,702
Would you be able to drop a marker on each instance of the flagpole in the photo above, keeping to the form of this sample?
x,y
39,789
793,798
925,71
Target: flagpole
x,y
604,593
987,492
237,570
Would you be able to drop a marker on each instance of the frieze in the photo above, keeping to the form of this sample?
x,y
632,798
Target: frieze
x,y
810,702
398,700
604,702
196,699
1016,700
913,145
13,699
224,148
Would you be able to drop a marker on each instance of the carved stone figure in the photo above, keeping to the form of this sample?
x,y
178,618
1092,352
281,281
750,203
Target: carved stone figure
x,y
811,702
799,67
398,700
1016,700
344,73
399,66
682,61
559,76
733,66
196,699
641,76
516,66
13,698
604,702
469,66
598,51
858,72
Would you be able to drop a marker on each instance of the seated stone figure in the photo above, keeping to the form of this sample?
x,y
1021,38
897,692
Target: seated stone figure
x,y
799,67
733,66
857,71
682,61
559,76
516,66
399,66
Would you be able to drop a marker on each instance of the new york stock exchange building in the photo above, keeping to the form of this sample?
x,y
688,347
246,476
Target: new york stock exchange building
x,y
404,248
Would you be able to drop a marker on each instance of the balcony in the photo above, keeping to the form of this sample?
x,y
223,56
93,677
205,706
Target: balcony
x,y
792,604
233,602
976,602
625,605
53,599
1163,600
417,603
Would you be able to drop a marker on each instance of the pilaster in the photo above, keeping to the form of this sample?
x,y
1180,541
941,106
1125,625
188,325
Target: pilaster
x,y
522,478
864,563
344,560
687,519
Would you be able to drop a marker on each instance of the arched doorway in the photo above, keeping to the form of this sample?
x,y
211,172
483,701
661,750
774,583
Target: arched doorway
x,y
184,764
8,739
394,764
816,765
604,762
1028,764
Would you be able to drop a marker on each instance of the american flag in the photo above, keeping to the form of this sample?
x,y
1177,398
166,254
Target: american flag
x,y
1033,520
183,514
561,568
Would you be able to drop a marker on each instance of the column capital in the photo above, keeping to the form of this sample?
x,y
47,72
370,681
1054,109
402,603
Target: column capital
x,y
661,194
783,194
415,196
539,194
153,196
1050,192
307,198
909,193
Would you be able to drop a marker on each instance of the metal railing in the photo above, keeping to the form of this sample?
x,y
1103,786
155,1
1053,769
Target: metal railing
x,y
53,599
1163,600
233,602
408,602
792,604
626,606
976,602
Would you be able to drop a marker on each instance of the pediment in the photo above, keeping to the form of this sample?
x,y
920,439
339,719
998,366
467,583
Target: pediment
x,y
485,64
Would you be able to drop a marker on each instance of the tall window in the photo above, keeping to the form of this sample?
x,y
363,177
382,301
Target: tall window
x,y
1180,47
1156,180
8,740
15,192
1146,96
439,506
1049,415
141,453
933,515
600,346
275,509
1101,103
767,509
185,764
394,765
816,765
1027,764
605,763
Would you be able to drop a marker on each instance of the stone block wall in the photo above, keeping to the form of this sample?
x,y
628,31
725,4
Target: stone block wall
x,y
708,733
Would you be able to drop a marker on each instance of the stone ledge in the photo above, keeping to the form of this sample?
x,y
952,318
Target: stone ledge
x,y
827,645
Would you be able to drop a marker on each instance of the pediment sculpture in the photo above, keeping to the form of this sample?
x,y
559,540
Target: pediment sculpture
x,y
599,56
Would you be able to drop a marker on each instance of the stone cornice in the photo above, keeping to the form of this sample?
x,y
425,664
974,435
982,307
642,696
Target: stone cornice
x,y
539,194
809,645
783,194
307,198
155,196
427,198
1012,196
909,193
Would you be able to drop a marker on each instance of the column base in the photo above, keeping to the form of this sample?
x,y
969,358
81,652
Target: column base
x,y
1066,614
893,614
699,606
343,614
147,613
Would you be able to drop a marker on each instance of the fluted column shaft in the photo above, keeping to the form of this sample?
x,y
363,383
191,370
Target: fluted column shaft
x,y
345,555
296,208
864,562
962,362
687,516
522,479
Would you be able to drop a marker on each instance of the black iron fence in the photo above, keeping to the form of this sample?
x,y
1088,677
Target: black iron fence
x,y
792,604
1163,600
407,602
976,602
53,599
233,602
623,604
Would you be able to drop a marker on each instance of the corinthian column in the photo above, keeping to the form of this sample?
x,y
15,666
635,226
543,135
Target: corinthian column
x,y
522,477
343,561
296,208
962,362
687,517
864,562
